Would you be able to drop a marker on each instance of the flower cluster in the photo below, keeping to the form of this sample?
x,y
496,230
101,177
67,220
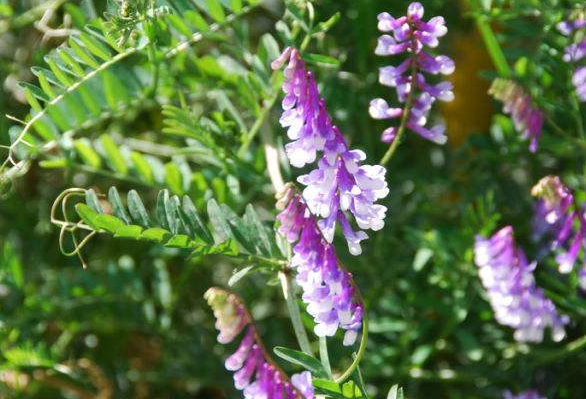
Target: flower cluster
x,y
328,290
576,51
531,394
410,35
513,294
565,228
528,119
254,373
340,183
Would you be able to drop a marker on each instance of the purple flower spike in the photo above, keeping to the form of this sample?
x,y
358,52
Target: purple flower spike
x,y
516,300
254,372
576,51
410,35
527,118
563,227
340,184
327,288
531,394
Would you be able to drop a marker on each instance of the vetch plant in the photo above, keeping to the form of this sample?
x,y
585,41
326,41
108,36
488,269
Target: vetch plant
x,y
561,222
181,122
411,35
576,51
515,298
340,183
528,118
255,373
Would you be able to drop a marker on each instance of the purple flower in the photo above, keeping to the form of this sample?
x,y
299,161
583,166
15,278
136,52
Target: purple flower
x,y
340,184
410,35
254,372
564,226
302,381
328,289
554,201
531,394
576,51
527,118
516,300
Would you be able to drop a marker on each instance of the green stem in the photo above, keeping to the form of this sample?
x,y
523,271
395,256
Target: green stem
x,y
155,62
400,132
264,113
404,117
324,356
294,313
568,350
490,41
578,116
359,354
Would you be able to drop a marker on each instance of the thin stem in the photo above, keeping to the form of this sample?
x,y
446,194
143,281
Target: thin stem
x,y
578,116
568,350
400,131
359,354
294,314
405,116
324,356
264,113
490,41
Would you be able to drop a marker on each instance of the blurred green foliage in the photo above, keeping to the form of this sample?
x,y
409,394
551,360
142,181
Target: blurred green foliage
x,y
175,95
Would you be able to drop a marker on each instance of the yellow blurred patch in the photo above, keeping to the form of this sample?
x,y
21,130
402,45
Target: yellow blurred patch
x,y
471,110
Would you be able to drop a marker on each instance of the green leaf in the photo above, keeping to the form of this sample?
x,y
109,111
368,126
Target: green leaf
x,y
91,199
347,390
172,206
244,233
114,90
422,256
351,390
196,20
113,154
320,59
215,10
156,234
177,23
196,224
137,210
160,209
395,392
174,178
94,46
266,242
270,48
327,25
219,224
54,163
84,56
133,231
117,206
179,241
236,5
142,167
87,215
109,223
304,360
236,277
87,153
